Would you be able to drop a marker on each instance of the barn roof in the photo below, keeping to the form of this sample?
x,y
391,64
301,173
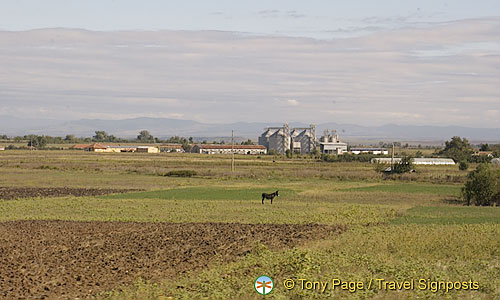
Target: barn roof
x,y
96,146
80,146
173,146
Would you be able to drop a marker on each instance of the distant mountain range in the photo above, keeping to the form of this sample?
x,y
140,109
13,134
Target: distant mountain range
x,y
163,127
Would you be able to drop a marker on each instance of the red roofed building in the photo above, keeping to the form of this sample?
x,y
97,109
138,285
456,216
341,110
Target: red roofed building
x,y
96,147
80,146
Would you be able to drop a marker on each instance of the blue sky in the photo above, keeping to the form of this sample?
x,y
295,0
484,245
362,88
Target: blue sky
x,y
319,19
363,62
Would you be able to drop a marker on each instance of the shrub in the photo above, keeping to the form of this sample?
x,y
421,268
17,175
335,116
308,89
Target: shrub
x,y
404,165
181,173
45,167
463,166
380,167
272,152
482,187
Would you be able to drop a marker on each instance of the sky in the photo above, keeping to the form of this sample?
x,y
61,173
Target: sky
x,y
319,19
358,62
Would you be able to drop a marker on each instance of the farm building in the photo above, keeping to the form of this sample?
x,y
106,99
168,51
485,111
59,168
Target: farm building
x,y
80,146
330,143
147,149
417,161
483,153
96,147
281,139
119,148
228,149
171,148
376,151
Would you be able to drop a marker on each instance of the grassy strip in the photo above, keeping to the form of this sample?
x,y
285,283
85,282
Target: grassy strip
x,y
448,190
204,193
450,215
169,210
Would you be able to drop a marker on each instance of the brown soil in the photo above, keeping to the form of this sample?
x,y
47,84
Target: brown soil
x,y
68,260
8,193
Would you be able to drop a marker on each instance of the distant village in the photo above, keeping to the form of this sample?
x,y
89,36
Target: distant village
x,y
283,140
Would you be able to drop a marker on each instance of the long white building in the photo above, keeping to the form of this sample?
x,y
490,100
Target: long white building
x,y
417,161
228,149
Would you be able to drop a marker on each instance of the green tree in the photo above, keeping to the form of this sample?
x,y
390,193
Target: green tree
x,y
37,141
100,136
247,142
145,137
482,187
457,148
272,152
404,165
463,166
187,147
484,147
70,138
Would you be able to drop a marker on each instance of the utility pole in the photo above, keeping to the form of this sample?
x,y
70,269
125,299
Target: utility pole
x,y
392,159
232,150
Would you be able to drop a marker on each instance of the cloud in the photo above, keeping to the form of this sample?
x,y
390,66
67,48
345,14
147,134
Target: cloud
x,y
493,112
123,116
294,14
274,13
269,13
213,75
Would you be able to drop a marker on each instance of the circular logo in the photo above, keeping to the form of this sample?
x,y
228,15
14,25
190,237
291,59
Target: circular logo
x,y
263,285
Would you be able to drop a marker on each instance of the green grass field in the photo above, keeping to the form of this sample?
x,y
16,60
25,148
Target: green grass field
x,y
445,190
408,227
449,215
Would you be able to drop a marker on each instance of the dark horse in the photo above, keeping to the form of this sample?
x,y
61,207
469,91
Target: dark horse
x,y
269,196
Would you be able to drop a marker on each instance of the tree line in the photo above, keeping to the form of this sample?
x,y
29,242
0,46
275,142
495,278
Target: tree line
x,y
101,136
461,151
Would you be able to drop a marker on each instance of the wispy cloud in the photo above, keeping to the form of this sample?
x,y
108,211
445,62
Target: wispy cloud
x,y
387,76
275,13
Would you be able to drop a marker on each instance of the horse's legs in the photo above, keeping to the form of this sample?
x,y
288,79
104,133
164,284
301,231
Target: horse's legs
x,y
272,200
263,199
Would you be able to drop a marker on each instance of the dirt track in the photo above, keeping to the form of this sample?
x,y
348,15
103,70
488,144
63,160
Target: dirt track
x,y
8,193
68,260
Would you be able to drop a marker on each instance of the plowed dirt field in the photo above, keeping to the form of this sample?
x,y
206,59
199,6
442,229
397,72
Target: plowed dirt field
x,y
8,193
68,260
